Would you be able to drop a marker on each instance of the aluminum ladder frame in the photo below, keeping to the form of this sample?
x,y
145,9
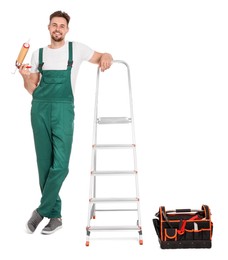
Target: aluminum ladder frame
x,y
93,200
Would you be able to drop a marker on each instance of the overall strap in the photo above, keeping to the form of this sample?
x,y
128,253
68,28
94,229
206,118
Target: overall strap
x,y
70,58
40,60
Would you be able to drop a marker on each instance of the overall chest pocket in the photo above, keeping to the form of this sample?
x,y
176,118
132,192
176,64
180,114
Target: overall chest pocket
x,y
54,77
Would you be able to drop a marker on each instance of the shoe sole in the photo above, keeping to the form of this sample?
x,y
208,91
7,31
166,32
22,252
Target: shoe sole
x,y
44,232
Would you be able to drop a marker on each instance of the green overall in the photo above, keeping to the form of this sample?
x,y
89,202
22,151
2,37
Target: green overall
x,y
52,118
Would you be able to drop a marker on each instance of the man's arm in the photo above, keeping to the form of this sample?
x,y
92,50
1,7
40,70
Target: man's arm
x,y
31,80
103,59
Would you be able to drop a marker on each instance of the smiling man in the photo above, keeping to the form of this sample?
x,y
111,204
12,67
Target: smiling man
x,y
51,83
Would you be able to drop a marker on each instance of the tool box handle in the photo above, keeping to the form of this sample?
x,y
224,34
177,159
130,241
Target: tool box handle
x,y
184,211
205,210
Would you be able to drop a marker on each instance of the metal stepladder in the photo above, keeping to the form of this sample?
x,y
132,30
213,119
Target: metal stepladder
x,y
112,203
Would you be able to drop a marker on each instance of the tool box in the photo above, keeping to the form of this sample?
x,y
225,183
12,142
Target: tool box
x,y
184,228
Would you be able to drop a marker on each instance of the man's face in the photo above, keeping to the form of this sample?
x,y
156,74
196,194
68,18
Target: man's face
x,y
58,28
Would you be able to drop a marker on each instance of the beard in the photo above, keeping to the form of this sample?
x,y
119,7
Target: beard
x,y
57,38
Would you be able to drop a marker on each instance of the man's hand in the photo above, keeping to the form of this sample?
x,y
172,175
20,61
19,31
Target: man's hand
x,y
31,80
24,70
105,61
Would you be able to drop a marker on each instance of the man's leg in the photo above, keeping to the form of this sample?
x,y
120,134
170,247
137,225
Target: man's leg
x,y
42,138
62,119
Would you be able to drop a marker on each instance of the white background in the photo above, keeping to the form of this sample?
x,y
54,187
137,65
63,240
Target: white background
x,y
177,52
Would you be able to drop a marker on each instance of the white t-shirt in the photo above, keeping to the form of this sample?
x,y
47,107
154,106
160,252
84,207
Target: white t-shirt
x,y
57,59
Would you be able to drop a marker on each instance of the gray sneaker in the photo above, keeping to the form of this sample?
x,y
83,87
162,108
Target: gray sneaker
x,y
33,222
53,225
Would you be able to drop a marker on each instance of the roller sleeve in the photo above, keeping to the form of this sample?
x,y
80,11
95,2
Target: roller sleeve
x,y
22,54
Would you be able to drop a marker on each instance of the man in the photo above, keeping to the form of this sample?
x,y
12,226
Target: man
x,y
51,81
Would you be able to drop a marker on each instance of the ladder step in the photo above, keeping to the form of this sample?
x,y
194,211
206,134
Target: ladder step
x,y
112,228
113,120
99,210
113,146
109,173
98,200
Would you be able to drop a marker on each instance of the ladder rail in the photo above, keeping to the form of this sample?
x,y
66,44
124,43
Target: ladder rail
x,y
130,98
133,134
94,152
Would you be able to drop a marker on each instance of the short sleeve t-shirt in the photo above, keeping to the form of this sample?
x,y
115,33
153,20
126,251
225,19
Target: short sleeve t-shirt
x,y
57,59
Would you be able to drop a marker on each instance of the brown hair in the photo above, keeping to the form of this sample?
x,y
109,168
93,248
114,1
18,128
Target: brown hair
x,y
60,14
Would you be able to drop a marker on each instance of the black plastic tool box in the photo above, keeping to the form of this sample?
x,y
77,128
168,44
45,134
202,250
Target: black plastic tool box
x,y
184,228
